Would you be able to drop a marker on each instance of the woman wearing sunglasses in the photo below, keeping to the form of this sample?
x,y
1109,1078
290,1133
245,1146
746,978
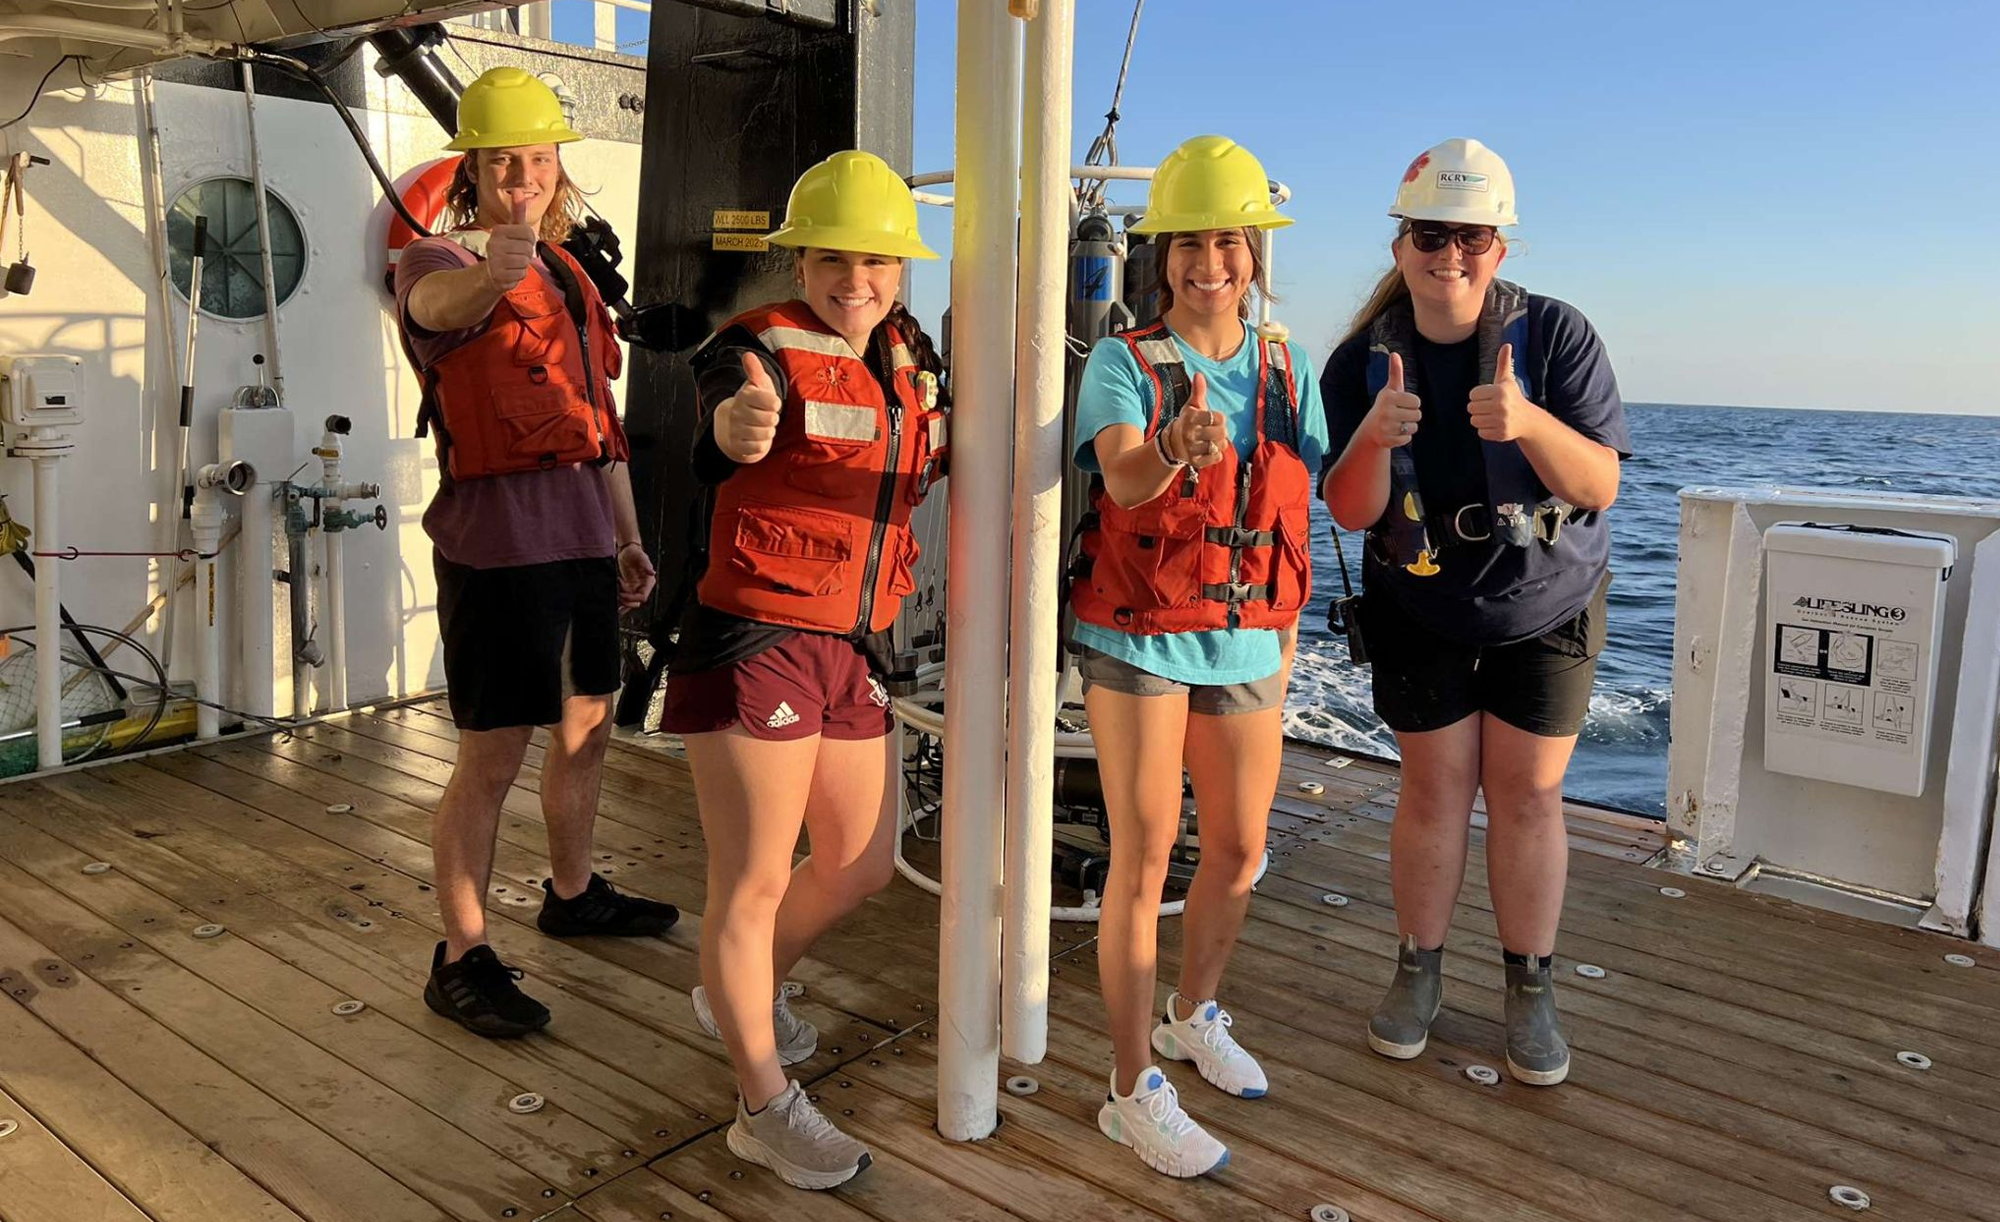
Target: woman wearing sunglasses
x,y
1194,562
1480,434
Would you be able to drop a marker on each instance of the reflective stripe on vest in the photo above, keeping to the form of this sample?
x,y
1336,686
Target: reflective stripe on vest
x,y
1228,548
816,535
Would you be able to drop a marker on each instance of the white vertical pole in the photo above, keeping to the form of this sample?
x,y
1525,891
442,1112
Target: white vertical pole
x,y
604,25
1040,351
256,680
982,303
48,610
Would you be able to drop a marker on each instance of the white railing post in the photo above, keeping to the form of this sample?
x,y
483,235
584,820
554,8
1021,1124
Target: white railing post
x,y
982,302
604,25
1041,350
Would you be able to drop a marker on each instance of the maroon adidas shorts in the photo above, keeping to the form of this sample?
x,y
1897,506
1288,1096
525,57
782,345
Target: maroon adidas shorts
x,y
808,684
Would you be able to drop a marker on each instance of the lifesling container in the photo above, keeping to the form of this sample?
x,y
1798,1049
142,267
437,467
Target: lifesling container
x,y
816,534
1228,547
517,397
1519,512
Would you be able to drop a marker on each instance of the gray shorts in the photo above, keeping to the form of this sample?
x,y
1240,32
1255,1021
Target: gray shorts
x,y
1100,669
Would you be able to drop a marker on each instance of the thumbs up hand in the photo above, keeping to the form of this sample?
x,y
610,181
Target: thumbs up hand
x,y
1198,435
510,249
747,422
1393,419
1499,411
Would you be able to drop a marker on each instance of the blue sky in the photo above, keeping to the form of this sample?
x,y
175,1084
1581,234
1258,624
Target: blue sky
x,y
1768,202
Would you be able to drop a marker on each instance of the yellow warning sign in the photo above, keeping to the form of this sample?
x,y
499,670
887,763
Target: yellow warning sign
x,y
739,241
727,218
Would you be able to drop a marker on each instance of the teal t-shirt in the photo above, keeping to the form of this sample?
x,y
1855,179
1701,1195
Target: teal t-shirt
x,y
1116,391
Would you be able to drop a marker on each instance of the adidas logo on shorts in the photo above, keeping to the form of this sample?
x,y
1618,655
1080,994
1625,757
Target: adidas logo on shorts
x,y
878,693
782,716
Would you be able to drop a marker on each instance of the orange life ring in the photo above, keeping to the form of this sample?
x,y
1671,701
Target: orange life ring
x,y
424,197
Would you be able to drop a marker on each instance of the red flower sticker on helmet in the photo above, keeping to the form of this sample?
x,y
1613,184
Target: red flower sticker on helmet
x,y
1416,167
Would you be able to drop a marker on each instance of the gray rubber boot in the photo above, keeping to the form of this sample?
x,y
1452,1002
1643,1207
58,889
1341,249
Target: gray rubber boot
x,y
1402,1023
1536,1052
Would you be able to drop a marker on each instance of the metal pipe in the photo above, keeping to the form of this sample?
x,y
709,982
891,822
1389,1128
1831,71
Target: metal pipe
x,y
48,610
21,26
212,484
1040,362
155,183
255,589
183,490
334,592
273,358
982,304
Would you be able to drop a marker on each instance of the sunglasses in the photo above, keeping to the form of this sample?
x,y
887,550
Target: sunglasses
x,y
1433,236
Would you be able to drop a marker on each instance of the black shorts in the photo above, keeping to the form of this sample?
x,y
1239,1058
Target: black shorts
x,y
1424,681
509,631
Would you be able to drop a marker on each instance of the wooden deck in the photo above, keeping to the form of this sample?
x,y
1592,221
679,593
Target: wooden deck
x,y
1735,1062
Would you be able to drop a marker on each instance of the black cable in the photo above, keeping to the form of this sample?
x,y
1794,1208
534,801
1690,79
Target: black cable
x,y
35,95
304,70
97,664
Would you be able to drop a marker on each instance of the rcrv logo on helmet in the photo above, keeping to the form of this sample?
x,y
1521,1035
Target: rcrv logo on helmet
x,y
1460,180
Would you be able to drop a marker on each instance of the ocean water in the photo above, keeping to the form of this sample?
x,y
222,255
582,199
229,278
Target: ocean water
x,y
1621,758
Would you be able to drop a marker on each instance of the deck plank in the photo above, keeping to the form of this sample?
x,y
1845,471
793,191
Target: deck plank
x,y
63,1044
1732,1066
448,1167
43,1180
1681,941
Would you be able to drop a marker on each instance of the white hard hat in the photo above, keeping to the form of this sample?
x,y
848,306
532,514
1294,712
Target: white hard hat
x,y
1460,180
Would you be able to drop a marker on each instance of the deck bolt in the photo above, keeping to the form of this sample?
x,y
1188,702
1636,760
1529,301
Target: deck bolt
x,y
1913,1060
1957,960
735,1175
1852,1198
98,867
1022,1084
208,931
1673,893
1485,1075
1333,899
1328,1213
524,1103
1590,971
7,1127
340,808
1311,787
345,1008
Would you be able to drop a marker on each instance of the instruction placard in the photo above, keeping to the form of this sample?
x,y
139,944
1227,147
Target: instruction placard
x,y
1851,631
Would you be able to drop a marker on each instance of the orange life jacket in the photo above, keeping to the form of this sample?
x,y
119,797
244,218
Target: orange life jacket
x,y
1227,548
817,534
516,397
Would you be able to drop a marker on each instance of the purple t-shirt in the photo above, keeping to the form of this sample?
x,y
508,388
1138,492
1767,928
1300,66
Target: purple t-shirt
x,y
530,517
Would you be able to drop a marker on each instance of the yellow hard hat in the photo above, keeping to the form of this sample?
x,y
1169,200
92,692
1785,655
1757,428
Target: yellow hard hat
x,y
1209,182
1461,181
853,201
508,108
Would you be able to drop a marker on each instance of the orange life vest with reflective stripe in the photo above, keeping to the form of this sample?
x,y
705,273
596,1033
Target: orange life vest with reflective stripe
x,y
517,397
1227,548
816,535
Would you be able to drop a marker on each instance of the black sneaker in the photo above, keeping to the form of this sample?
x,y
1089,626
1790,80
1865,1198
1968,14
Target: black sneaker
x,y
478,993
599,909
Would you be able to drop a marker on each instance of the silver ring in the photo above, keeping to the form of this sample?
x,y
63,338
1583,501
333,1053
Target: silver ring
x,y
1408,428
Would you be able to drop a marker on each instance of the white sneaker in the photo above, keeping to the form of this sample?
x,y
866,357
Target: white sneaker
x,y
1153,1123
797,1038
1203,1037
796,1140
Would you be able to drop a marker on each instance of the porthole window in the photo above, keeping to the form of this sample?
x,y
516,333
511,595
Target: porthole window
x,y
232,268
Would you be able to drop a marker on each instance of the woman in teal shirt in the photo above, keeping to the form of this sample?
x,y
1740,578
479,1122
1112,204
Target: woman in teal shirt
x,y
1205,441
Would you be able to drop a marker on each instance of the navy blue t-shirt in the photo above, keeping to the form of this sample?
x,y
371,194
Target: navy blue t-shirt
x,y
1487,593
